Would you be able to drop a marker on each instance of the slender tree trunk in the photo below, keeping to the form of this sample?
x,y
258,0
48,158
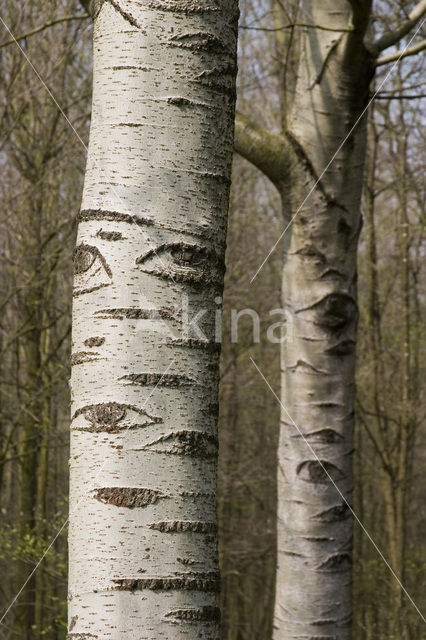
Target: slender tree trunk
x,y
151,241
313,592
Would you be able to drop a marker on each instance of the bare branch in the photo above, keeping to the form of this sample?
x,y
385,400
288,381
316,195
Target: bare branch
x,y
265,150
292,25
50,23
402,53
393,37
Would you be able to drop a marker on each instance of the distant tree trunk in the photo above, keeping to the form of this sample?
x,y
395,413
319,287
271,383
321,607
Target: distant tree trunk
x,y
317,166
150,250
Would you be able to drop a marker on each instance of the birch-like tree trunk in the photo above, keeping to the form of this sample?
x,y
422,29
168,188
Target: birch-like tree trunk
x,y
149,258
317,166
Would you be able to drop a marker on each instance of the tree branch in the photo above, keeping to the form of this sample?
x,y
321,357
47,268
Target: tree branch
x,y
402,53
265,150
393,37
42,27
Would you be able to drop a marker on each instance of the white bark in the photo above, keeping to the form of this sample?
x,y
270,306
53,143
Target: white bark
x,y
142,538
313,589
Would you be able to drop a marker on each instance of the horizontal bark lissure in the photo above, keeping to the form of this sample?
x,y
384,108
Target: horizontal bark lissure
x,y
190,581
86,215
203,614
190,443
182,527
135,313
84,356
159,380
129,497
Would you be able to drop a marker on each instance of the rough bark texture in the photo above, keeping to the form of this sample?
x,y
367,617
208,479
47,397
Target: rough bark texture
x,y
143,556
313,590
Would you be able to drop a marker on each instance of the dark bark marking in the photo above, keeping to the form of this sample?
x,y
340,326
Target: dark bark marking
x,y
159,380
322,436
179,6
185,102
204,614
191,581
179,526
186,561
333,274
200,41
109,235
127,67
334,311
189,443
84,257
83,356
318,472
135,313
193,343
95,341
334,514
129,497
106,417
211,409
345,232
311,252
73,622
112,216
307,367
90,289
125,14
183,262
81,636
336,563
343,348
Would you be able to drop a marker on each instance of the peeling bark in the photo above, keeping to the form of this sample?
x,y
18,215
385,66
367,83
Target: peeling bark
x,y
142,536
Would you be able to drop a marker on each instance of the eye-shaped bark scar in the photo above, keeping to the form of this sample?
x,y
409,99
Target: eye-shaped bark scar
x,y
318,472
183,262
109,416
91,270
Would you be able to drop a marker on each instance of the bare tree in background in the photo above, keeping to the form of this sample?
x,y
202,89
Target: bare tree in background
x,y
317,164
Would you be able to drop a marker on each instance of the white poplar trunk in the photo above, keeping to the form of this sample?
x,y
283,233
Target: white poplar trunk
x,y
313,590
151,240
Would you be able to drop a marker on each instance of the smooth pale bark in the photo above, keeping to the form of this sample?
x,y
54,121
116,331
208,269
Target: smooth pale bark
x,y
313,586
313,591
151,242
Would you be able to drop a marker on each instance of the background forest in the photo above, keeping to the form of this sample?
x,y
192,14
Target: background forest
x,y
42,159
